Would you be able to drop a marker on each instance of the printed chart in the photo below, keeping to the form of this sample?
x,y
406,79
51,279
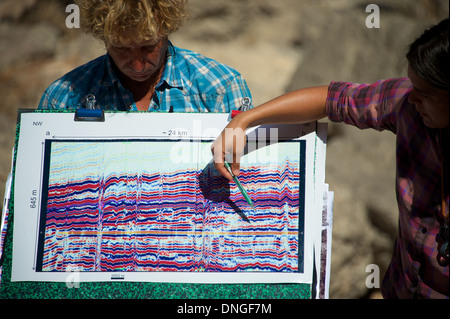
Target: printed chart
x,y
137,198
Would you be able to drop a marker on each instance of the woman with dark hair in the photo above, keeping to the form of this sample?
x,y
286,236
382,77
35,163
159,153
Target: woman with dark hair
x,y
416,109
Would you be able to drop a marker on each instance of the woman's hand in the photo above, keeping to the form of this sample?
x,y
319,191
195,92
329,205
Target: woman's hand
x,y
229,147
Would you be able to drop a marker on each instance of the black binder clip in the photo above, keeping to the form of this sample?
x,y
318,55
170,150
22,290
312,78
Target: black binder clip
x,y
90,113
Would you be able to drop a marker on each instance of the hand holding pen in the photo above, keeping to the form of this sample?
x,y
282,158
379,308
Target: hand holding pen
x,y
230,144
228,148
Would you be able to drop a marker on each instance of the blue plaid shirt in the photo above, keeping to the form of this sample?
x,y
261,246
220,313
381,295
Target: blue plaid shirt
x,y
190,82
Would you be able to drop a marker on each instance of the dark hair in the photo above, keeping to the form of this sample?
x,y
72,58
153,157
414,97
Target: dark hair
x,y
428,55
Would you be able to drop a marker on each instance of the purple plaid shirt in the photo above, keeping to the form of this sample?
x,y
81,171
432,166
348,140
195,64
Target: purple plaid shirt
x,y
414,271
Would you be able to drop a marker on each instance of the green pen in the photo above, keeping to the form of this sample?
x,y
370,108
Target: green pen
x,y
241,188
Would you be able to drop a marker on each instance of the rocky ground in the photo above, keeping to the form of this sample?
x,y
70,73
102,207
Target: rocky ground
x,y
278,46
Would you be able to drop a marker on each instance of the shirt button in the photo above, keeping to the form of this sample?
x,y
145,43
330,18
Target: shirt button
x,y
155,107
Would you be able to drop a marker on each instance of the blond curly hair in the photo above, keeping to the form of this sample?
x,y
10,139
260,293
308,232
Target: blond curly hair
x,y
118,22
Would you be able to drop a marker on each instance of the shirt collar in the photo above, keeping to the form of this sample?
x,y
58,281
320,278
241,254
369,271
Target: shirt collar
x,y
171,76
110,75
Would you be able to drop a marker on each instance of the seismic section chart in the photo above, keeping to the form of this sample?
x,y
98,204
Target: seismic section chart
x,y
137,198
121,206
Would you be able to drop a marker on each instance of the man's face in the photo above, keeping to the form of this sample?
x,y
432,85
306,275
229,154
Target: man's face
x,y
139,61
432,103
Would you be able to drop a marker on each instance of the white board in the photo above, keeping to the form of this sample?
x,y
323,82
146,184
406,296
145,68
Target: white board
x,y
50,148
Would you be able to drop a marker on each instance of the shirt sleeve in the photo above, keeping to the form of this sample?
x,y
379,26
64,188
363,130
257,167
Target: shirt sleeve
x,y
368,105
70,91
55,97
236,91
44,102
47,101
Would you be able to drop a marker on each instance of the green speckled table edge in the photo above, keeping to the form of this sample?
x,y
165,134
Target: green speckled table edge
x,y
139,290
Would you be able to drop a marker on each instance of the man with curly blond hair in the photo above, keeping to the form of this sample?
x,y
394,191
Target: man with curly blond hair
x,y
142,70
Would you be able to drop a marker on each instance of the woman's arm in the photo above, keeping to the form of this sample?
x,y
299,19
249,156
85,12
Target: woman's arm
x,y
300,106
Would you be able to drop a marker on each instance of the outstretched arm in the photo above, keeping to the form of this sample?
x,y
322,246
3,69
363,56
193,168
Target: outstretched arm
x,y
300,106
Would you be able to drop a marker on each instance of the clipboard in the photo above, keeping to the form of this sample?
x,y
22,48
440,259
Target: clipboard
x,y
9,288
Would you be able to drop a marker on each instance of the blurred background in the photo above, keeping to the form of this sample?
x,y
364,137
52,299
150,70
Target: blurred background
x,y
278,46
